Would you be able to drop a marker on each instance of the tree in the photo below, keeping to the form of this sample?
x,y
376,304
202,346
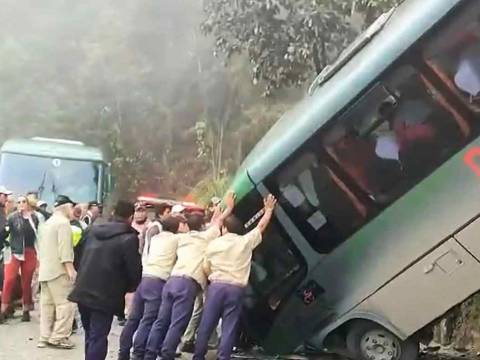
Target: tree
x,y
287,41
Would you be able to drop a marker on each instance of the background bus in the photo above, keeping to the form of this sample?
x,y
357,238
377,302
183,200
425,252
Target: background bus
x,y
52,167
378,179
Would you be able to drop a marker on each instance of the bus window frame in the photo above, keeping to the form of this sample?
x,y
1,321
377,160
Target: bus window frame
x,y
354,189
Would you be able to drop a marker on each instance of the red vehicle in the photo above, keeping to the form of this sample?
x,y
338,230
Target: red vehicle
x,y
184,206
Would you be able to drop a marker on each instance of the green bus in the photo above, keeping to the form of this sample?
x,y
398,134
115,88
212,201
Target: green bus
x,y
377,173
53,166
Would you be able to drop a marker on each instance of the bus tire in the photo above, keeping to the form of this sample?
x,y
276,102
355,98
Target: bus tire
x,y
369,341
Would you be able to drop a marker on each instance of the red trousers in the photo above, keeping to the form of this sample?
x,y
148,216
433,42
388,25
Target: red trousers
x,y
27,268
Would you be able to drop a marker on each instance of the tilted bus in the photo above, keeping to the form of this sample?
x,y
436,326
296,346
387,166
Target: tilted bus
x,y
377,231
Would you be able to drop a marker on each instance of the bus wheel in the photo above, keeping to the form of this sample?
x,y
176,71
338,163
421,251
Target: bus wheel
x,y
369,341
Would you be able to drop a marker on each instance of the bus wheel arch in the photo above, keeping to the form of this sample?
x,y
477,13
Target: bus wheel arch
x,y
348,335
369,340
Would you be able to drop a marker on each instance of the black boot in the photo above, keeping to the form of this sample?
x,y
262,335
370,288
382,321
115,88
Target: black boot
x,y
26,316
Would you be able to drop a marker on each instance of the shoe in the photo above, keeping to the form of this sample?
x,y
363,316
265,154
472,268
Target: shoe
x,y
3,318
26,316
9,314
64,344
122,322
188,347
42,344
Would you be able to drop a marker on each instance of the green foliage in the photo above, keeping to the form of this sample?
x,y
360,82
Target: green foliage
x,y
286,41
208,188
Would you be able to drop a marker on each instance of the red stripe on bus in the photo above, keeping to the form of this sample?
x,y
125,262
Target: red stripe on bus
x,y
470,157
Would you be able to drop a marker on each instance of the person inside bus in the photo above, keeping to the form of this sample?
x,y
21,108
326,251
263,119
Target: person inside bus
x,y
467,76
369,160
227,264
456,54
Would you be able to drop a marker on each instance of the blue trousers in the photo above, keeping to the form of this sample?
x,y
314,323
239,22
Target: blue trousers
x,y
146,303
173,316
224,301
97,325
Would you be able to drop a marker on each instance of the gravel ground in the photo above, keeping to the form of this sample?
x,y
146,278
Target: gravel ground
x,y
18,342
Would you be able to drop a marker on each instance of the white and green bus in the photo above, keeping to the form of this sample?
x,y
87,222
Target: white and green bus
x,y
51,167
377,231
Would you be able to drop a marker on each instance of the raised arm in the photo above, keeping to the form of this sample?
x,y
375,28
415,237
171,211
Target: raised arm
x,y
219,217
269,205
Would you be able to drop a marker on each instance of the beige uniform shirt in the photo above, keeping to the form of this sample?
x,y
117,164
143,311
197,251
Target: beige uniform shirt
x,y
229,258
191,253
54,247
161,256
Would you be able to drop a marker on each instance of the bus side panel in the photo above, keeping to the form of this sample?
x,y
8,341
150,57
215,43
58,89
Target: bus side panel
x,y
426,290
410,228
470,238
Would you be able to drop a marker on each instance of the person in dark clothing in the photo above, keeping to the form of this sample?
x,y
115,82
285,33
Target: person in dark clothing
x,y
109,267
4,193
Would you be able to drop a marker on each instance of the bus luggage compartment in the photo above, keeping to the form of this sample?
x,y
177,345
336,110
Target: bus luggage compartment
x,y
427,289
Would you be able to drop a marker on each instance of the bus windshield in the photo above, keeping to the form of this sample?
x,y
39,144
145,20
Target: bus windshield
x,y
50,177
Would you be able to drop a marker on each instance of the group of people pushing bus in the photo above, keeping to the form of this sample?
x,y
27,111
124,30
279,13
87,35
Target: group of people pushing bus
x,y
176,260
186,259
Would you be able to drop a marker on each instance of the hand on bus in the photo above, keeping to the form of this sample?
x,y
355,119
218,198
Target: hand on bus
x,y
270,202
230,200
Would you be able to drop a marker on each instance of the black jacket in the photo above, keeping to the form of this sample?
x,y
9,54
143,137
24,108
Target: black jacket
x,y
109,267
3,228
16,229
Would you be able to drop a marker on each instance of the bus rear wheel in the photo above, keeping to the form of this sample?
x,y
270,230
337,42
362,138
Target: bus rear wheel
x,y
369,341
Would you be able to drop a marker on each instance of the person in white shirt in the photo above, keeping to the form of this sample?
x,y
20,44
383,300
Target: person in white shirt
x,y
148,297
227,263
181,289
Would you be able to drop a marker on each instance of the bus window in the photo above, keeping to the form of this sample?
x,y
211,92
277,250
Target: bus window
x,y
389,144
323,208
277,265
454,54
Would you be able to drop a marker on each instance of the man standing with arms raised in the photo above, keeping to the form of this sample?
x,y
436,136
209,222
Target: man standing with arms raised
x,y
228,261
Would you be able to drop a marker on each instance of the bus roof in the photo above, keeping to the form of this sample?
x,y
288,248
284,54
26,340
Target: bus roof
x,y
52,148
411,20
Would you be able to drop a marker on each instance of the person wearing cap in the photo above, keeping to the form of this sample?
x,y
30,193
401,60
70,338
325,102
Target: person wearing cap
x,y
110,266
22,231
57,276
93,212
186,281
4,194
228,262
148,297
178,209
42,209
